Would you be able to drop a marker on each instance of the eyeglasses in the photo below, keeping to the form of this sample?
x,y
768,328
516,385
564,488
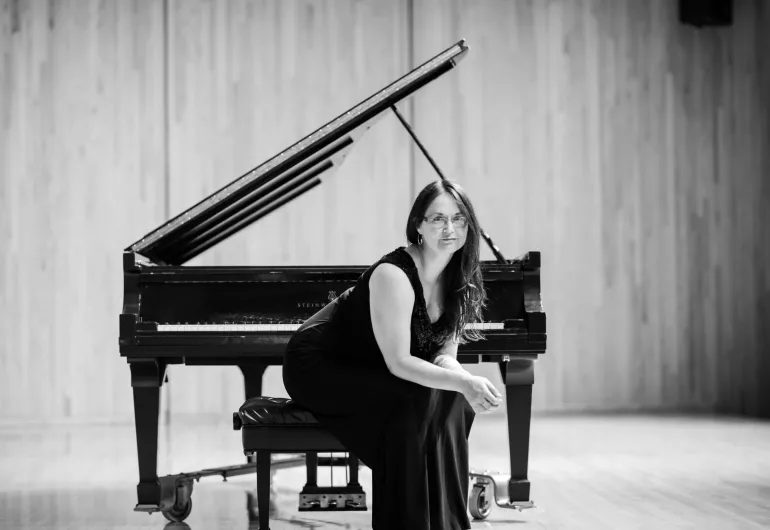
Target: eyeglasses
x,y
440,221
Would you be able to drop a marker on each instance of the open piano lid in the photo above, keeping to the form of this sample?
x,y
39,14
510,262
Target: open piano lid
x,y
283,177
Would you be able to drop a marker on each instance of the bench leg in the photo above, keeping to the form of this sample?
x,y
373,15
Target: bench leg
x,y
263,489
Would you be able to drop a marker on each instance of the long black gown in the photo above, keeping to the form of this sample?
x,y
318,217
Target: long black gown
x,y
414,438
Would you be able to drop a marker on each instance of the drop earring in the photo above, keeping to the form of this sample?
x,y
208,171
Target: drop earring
x,y
419,239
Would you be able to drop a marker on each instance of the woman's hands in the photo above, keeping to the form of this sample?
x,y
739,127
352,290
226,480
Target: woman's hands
x,y
481,394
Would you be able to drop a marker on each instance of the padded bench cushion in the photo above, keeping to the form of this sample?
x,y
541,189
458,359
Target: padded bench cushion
x,y
264,410
280,425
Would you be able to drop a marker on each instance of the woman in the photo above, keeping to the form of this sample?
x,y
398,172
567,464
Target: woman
x,y
378,368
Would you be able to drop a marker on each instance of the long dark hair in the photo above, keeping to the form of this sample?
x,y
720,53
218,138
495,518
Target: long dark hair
x,y
464,294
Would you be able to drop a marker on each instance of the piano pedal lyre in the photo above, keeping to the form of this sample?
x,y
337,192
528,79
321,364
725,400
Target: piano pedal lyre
x,y
333,498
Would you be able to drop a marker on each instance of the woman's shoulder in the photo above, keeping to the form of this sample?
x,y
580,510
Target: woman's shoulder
x,y
399,257
391,281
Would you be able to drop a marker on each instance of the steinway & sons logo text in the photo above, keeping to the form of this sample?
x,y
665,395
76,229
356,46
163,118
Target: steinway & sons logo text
x,y
311,305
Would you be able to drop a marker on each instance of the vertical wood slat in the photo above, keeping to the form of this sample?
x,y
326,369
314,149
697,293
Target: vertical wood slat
x,y
247,80
632,151
81,160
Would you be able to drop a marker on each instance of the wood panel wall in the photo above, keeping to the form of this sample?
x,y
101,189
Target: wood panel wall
x,y
634,152
246,80
81,172
628,148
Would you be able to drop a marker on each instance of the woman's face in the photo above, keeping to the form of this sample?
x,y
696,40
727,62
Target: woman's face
x,y
444,228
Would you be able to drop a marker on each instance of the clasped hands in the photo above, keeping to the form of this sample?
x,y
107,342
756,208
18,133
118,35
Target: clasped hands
x,y
481,394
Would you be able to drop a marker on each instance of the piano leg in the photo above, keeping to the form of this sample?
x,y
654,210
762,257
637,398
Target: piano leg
x,y
519,376
252,378
146,380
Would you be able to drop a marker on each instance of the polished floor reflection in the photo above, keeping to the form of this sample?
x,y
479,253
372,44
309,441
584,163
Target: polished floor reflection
x,y
587,471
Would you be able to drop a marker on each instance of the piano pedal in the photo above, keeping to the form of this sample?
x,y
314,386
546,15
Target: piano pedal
x,y
332,501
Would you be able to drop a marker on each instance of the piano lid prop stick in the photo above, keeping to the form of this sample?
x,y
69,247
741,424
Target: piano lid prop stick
x,y
495,250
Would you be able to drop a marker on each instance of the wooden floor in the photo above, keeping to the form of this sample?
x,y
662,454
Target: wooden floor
x,y
592,472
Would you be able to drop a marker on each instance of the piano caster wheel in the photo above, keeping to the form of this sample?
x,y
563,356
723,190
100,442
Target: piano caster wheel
x,y
178,513
479,502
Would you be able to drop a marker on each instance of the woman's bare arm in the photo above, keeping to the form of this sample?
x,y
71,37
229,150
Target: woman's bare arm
x,y
447,356
391,299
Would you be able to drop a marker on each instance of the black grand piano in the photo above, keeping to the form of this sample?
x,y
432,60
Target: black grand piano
x,y
243,315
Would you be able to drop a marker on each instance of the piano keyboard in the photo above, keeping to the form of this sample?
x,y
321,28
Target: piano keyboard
x,y
266,328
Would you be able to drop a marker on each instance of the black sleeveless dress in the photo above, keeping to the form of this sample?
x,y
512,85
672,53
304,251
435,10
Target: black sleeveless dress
x,y
414,438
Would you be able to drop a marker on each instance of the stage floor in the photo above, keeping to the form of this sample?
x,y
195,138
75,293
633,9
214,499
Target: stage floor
x,y
587,471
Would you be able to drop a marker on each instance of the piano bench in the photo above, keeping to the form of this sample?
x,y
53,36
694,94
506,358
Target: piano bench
x,y
279,425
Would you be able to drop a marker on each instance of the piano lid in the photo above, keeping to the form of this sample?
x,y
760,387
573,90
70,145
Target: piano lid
x,y
284,177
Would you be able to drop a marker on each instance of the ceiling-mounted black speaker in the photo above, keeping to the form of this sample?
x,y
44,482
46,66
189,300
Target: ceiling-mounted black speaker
x,y
706,12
